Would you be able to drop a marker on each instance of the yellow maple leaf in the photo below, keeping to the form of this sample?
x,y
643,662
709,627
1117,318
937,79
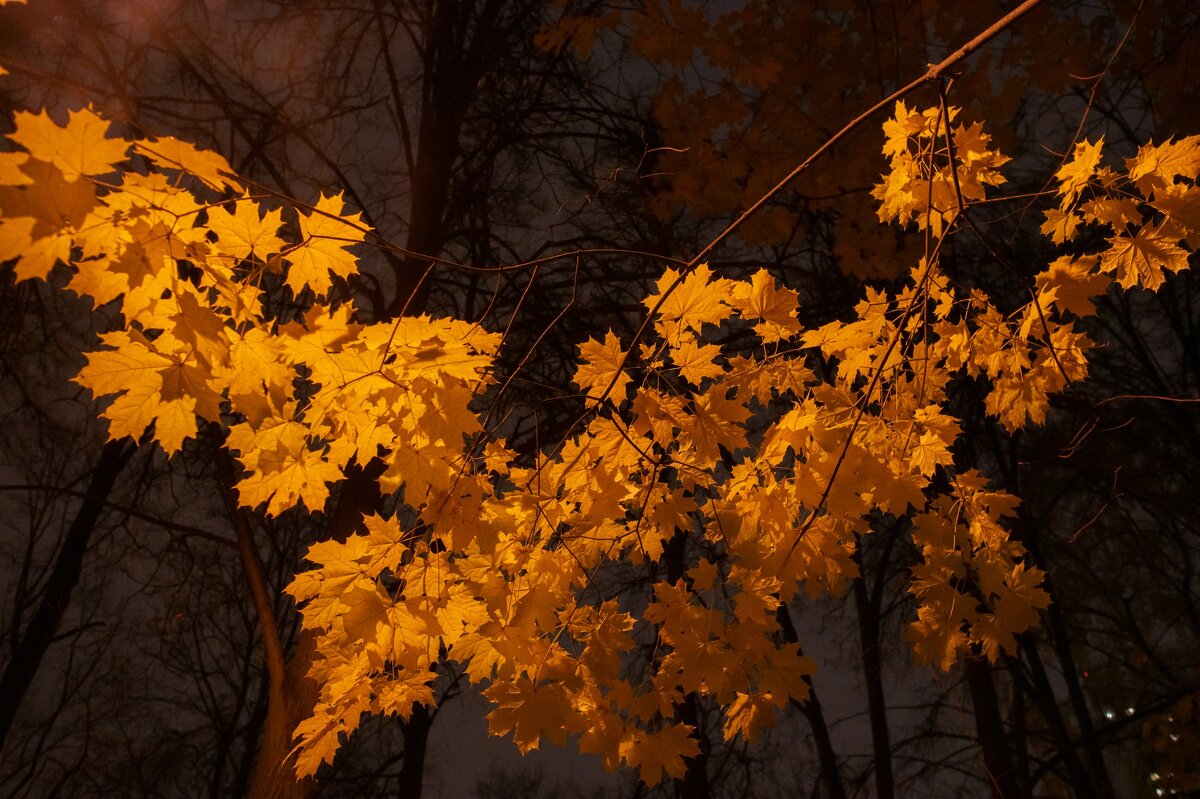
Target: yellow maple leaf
x,y
151,385
257,363
78,148
209,167
600,367
530,712
1069,284
10,169
748,715
244,233
773,308
1181,205
1060,226
659,754
1156,166
691,303
1116,212
1075,174
1139,260
696,362
328,234
283,477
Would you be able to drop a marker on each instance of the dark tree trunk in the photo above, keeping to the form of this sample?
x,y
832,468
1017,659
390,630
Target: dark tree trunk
x,y
831,776
40,632
872,657
989,730
694,783
416,742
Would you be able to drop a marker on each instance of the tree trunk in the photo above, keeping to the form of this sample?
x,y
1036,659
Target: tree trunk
x,y
273,776
831,776
872,657
694,783
416,742
454,63
39,633
989,730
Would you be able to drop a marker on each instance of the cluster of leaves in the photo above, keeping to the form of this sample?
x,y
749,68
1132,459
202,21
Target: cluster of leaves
x,y
728,458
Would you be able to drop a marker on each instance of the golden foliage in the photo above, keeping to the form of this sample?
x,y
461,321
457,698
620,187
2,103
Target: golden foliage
x,y
497,566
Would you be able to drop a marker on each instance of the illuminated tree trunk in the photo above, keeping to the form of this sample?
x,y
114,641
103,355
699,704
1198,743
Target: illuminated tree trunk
x,y
290,703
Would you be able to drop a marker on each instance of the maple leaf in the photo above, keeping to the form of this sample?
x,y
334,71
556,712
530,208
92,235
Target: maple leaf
x,y
1060,226
1018,599
748,715
151,387
659,754
38,227
244,233
170,153
1155,167
327,236
937,638
78,148
773,308
1075,174
897,130
600,367
1181,205
1070,283
530,712
10,169
1139,260
696,362
258,362
692,303
1116,212
284,477
283,467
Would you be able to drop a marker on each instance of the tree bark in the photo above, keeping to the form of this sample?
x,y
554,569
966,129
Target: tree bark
x,y
273,777
453,67
989,730
831,776
872,657
39,633
416,742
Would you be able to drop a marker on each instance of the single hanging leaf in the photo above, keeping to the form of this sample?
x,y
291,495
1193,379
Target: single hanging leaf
x,y
659,755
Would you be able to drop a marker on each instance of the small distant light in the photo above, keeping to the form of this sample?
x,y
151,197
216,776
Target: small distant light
x,y
1158,791
1108,714
1174,738
1154,776
1085,674
1128,711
